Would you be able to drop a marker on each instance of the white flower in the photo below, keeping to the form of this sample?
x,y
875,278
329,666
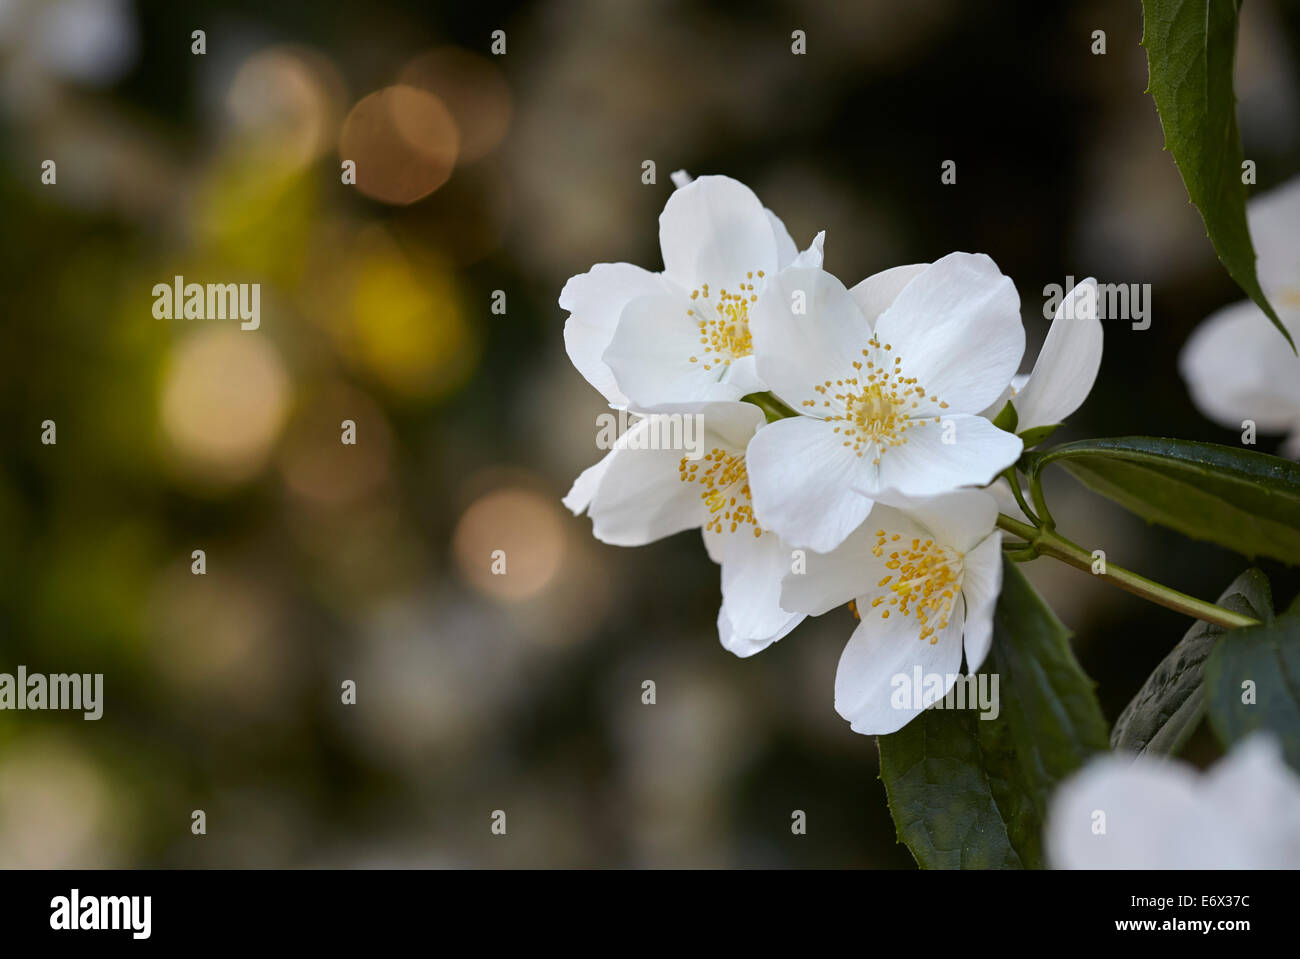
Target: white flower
x,y
1236,365
925,582
1066,367
641,495
891,378
1121,812
645,339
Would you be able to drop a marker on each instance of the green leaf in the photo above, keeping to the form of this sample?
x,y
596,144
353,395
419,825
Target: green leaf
x,y
1171,703
1238,498
967,792
1269,657
1190,47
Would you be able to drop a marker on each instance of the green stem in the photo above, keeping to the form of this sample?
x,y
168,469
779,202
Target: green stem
x,y
1014,482
1048,542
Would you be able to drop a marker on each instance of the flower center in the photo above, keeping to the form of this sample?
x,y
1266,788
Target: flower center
x,y
925,581
723,323
724,487
878,404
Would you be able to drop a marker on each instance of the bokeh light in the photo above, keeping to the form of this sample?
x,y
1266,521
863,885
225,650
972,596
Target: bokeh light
x,y
515,531
472,88
403,141
224,399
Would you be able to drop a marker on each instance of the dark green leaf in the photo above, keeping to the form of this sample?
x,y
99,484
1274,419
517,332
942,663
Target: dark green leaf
x,y
1169,706
1269,657
1238,498
1190,46
967,792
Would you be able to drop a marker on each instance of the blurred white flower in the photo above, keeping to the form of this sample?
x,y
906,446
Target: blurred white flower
x,y
890,379
1236,365
84,41
925,581
645,339
1121,812
636,495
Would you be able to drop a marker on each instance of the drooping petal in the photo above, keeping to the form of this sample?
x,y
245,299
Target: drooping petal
x,y
807,329
926,465
957,328
714,230
1067,366
981,584
877,292
1236,371
802,480
881,659
641,498
595,301
752,567
651,356
584,487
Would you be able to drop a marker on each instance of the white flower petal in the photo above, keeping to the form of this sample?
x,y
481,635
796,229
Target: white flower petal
x,y
742,377
584,487
959,520
811,258
981,584
1244,813
1067,366
1000,490
1273,217
926,466
798,351
595,301
641,498
957,328
714,230
786,250
880,650
1236,369
1154,818
848,571
651,351
801,478
877,292
1254,784
752,567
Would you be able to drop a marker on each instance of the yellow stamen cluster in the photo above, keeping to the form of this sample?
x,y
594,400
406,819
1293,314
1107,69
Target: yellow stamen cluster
x,y
925,581
724,487
879,402
724,329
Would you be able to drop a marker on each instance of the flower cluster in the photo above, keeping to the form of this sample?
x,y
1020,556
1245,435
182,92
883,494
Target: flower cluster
x,y
847,432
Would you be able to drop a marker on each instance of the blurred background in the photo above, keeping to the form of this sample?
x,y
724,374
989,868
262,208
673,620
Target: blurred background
x,y
370,563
